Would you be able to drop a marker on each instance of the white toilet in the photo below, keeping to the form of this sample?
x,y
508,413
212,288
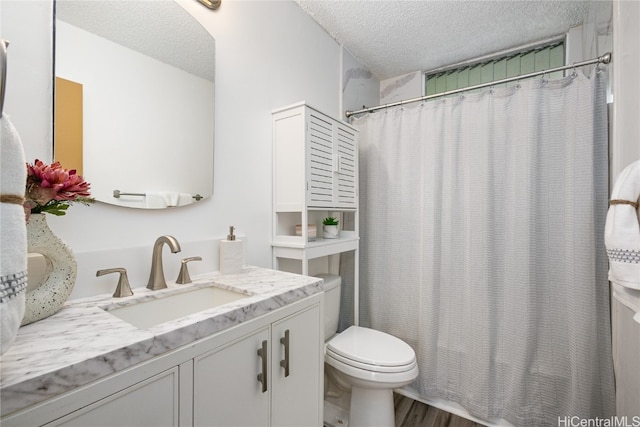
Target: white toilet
x,y
373,363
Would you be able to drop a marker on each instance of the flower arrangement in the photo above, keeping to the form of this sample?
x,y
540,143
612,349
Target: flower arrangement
x,y
52,189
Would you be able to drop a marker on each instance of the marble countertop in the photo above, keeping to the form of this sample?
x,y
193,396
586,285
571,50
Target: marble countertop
x,y
82,342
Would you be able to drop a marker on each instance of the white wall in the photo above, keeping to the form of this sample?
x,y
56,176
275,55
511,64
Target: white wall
x,y
626,85
401,88
625,150
359,87
268,54
29,83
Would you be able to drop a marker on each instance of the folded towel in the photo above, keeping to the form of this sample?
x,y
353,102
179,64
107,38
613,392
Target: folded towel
x,y
185,199
13,234
171,199
155,200
622,229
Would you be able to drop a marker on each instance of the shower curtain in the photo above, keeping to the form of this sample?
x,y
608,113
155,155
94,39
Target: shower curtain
x,y
482,219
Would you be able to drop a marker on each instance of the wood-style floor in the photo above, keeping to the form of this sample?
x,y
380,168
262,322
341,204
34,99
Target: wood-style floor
x,y
410,413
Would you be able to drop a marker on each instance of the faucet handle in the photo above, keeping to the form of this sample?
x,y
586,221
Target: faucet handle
x,y
183,276
123,289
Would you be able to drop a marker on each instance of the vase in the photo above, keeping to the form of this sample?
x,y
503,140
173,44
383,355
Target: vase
x,y
49,297
330,231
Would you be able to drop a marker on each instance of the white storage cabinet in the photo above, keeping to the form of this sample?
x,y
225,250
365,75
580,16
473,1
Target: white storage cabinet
x,y
315,175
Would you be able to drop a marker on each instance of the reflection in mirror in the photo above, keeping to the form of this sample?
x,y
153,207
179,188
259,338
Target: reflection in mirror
x,y
137,100
39,267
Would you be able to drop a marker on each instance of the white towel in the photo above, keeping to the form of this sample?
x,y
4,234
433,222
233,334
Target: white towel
x,y
155,200
13,235
622,229
185,199
171,199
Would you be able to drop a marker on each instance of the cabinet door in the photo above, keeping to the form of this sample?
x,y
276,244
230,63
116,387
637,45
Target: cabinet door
x,y
320,161
331,164
226,389
152,403
346,149
296,397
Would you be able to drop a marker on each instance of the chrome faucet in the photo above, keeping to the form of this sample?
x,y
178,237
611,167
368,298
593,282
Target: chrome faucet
x,y
156,278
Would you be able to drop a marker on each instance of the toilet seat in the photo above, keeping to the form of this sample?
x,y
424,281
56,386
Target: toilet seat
x,y
371,350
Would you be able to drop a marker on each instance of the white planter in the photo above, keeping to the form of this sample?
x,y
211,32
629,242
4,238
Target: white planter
x,y
330,231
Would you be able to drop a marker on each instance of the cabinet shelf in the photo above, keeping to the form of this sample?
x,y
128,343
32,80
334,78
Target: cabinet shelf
x,y
287,248
298,242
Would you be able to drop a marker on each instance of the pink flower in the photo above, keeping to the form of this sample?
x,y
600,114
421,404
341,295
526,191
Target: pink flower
x,y
51,188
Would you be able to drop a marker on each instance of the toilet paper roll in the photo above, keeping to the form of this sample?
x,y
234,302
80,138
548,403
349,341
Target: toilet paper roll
x,y
231,256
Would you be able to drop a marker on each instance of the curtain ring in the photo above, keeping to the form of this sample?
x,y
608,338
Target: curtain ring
x,y
543,81
574,73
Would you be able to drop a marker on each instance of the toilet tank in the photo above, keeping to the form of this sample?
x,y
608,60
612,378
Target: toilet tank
x,y
332,285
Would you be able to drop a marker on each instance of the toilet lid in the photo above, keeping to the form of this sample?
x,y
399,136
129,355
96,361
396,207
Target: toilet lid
x,y
371,347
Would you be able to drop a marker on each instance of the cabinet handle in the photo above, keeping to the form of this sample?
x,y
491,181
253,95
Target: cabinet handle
x,y
285,363
262,377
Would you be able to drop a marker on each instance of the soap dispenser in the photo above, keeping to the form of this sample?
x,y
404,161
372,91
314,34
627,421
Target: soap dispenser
x,y
231,254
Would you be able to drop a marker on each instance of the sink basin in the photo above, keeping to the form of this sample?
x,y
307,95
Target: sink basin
x,y
150,313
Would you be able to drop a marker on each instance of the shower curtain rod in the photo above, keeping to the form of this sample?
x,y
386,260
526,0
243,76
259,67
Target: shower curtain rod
x,y
604,59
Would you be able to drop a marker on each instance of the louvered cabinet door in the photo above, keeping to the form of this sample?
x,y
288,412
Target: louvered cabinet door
x,y
331,163
320,161
346,175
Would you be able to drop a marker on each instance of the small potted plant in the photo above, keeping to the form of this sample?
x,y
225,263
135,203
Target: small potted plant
x,y
330,228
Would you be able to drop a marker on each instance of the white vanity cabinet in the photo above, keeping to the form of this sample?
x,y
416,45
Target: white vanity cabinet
x,y
315,175
147,394
210,382
271,376
153,402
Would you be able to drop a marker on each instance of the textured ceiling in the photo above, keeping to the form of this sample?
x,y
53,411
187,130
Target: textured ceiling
x,y
161,29
392,38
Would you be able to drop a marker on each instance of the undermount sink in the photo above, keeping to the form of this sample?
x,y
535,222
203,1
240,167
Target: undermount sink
x,y
146,314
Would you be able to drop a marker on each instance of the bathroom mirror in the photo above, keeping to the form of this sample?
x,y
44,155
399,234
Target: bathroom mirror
x,y
139,93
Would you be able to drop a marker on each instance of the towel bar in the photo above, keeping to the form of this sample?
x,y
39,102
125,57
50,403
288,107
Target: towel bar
x,y
118,193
